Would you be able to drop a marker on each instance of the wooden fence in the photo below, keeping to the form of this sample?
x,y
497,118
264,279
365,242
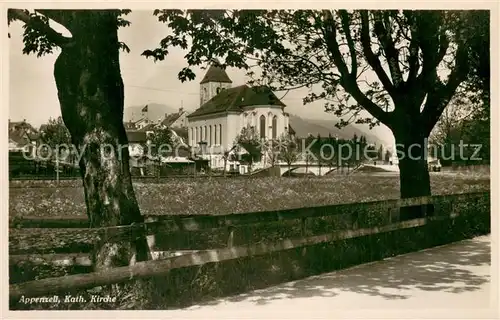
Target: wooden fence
x,y
203,239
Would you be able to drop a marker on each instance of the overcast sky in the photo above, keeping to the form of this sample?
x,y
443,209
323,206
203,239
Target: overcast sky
x,y
33,94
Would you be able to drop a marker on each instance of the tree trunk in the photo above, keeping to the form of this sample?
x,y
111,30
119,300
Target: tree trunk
x,y
411,145
91,95
414,178
413,171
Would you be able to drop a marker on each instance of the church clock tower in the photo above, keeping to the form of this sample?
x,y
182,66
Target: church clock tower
x,y
215,80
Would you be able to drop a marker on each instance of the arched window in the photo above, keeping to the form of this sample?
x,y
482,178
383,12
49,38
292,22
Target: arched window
x,y
210,135
191,139
218,90
220,134
262,127
215,134
275,127
205,134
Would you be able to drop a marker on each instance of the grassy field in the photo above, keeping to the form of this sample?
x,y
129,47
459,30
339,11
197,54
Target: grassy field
x,y
225,196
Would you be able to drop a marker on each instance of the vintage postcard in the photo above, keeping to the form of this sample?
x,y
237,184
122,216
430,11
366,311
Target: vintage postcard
x,y
226,160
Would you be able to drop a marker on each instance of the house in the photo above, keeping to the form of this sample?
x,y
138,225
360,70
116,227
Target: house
x,y
136,141
149,128
139,138
22,137
141,123
17,142
130,125
225,110
18,126
176,120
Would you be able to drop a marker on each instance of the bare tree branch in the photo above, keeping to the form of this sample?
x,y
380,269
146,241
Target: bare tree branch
x,y
370,56
348,81
390,50
346,27
433,50
414,49
438,99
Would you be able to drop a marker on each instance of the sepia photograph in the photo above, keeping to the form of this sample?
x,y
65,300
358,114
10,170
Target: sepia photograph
x,y
241,162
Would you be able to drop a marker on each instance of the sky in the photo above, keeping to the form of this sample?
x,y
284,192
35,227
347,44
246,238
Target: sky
x,y
33,94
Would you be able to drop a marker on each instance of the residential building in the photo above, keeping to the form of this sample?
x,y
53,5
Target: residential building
x,y
141,123
22,137
176,120
21,126
136,141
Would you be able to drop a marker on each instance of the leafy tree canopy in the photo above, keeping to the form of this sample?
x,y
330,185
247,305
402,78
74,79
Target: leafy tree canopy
x,y
249,139
388,63
40,38
160,143
55,133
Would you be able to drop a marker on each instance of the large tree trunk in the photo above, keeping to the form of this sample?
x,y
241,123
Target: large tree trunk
x,y
411,145
413,171
91,95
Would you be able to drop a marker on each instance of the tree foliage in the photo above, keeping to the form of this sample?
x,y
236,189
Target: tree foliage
x,y
56,136
160,143
249,139
465,120
396,67
289,149
55,133
337,54
40,38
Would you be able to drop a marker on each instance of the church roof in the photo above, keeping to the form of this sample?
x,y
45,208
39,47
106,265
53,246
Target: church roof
x,y
234,99
216,74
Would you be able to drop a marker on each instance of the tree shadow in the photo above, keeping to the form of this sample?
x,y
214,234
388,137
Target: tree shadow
x,y
445,269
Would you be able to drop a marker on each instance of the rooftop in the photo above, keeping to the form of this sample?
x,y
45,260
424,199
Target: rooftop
x,y
234,99
171,118
216,74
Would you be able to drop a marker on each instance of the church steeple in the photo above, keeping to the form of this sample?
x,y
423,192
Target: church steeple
x,y
215,80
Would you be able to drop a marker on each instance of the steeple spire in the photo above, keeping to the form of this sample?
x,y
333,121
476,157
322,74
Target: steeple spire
x,y
216,74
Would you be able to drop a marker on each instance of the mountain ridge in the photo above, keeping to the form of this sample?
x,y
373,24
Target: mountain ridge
x,y
305,126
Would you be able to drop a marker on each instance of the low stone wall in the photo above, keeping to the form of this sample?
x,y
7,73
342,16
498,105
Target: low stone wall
x,y
188,285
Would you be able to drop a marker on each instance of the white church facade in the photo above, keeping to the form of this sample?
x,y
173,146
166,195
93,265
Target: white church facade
x,y
225,110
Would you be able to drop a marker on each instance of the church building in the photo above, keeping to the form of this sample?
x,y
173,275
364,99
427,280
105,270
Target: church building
x,y
225,110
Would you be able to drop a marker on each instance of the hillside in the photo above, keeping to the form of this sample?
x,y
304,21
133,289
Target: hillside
x,y
155,111
304,127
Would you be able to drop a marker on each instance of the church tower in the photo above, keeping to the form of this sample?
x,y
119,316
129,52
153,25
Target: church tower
x,y
215,80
